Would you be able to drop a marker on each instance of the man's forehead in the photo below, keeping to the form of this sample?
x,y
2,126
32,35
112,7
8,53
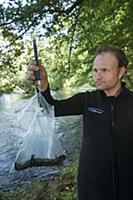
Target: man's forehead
x,y
101,67
105,59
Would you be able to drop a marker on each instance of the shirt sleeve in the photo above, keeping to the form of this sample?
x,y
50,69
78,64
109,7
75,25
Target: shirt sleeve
x,y
70,106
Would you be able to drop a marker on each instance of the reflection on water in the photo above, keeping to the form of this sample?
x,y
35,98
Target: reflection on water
x,y
8,102
68,128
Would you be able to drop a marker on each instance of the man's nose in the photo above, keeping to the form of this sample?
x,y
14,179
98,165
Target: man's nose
x,y
98,75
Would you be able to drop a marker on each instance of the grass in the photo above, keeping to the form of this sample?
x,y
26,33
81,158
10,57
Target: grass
x,y
62,187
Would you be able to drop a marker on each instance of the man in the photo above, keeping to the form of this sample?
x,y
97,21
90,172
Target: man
x,y
106,158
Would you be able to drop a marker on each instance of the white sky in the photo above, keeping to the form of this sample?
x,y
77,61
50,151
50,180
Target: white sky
x,y
6,1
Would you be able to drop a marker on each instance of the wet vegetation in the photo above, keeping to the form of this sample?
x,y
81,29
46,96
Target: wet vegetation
x,y
62,187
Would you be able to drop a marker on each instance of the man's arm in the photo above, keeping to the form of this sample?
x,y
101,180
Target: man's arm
x,y
71,106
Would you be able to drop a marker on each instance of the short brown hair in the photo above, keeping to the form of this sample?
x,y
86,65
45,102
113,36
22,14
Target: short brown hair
x,y
116,51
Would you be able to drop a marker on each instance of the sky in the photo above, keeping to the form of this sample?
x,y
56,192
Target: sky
x,y
3,1
6,1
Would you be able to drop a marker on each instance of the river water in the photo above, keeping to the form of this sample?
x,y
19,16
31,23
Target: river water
x,y
68,129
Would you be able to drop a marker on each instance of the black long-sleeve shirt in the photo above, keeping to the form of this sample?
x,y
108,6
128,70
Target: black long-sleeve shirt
x,y
106,159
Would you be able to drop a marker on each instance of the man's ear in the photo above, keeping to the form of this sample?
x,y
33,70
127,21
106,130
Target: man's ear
x,y
122,72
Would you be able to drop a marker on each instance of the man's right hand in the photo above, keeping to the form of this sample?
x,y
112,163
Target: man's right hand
x,y
31,78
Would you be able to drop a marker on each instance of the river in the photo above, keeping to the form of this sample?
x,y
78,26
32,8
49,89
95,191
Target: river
x,y
68,129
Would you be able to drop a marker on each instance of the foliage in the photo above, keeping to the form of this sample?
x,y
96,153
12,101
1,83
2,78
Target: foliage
x,y
69,33
62,187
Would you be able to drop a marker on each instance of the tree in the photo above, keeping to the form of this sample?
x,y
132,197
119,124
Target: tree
x,y
73,29
18,19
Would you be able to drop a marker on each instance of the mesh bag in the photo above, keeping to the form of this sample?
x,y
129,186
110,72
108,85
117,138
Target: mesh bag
x,y
41,146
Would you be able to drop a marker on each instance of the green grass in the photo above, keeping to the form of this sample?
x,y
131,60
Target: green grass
x,y
62,187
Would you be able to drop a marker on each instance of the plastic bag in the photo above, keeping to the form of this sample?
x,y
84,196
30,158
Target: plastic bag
x,y
41,147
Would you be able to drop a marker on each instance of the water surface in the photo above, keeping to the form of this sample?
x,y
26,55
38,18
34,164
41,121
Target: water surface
x,y
68,129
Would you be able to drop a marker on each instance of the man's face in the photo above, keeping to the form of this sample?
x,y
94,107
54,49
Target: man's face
x,y
106,73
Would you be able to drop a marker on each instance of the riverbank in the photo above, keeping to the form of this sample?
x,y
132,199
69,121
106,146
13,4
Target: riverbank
x,y
62,187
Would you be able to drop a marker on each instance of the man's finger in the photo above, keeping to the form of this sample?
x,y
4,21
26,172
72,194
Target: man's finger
x,y
32,67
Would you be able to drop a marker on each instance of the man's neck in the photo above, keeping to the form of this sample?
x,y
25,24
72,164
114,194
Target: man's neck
x,y
114,92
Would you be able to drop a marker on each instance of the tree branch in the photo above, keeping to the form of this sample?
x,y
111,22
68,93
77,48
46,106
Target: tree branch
x,y
77,3
72,39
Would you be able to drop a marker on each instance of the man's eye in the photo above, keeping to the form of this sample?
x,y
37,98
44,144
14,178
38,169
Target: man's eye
x,y
104,70
94,70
